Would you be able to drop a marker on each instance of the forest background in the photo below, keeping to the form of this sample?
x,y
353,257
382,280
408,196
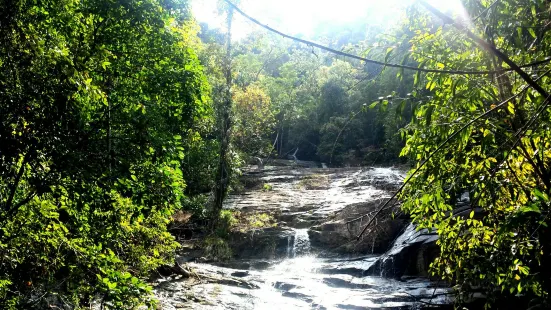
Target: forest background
x,y
116,115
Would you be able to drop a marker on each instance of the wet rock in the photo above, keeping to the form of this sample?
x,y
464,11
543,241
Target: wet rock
x,y
260,265
188,258
287,216
297,295
271,243
284,286
338,233
291,202
341,281
304,208
251,182
353,271
240,274
350,307
234,282
410,255
380,178
302,223
274,267
234,264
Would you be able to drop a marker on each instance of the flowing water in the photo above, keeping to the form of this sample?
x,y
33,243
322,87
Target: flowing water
x,y
302,279
301,244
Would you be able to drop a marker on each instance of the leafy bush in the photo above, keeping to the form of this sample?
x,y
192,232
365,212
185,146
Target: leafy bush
x,y
246,221
254,121
226,223
217,248
97,108
488,140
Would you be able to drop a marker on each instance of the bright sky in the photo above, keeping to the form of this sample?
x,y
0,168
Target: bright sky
x,y
303,16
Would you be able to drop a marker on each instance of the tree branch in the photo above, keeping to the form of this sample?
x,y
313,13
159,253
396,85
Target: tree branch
x,y
487,46
16,183
380,63
438,149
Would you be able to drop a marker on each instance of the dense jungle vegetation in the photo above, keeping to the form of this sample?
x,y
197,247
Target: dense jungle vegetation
x,y
115,115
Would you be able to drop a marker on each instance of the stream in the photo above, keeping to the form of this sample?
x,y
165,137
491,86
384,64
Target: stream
x,y
300,269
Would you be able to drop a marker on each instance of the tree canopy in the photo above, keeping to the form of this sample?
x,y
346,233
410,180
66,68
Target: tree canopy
x,y
499,158
117,114
100,101
469,96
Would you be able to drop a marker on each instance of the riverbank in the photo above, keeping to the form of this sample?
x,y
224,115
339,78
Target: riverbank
x,y
308,259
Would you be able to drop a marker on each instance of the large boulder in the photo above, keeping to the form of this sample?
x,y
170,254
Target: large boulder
x,y
339,233
410,255
265,243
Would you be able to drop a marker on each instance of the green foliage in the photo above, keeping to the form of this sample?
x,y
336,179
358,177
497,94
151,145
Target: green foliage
x,y
226,223
267,187
217,248
100,102
247,221
286,97
254,121
260,220
501,243
196,205
242,221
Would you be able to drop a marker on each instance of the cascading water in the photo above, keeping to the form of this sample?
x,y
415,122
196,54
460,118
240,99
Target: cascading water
x,y
302,280
290,246
301,246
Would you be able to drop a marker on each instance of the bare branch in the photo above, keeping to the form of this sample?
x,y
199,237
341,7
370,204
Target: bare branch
x,y
438,149
487,46
380,63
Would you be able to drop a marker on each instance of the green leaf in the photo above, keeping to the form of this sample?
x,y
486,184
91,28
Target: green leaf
x,y
388,53
417,78
540,195
530,208
511,108
400,109
532,33
428,114
403,63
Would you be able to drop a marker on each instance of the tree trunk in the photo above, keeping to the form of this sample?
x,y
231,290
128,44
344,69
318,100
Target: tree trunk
x,y
224,170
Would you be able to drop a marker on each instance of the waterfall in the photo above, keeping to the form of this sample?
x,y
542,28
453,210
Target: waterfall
x,y
301,246
290,245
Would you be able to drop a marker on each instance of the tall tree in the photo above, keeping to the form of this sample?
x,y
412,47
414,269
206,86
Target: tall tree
x,y
224,172
97,100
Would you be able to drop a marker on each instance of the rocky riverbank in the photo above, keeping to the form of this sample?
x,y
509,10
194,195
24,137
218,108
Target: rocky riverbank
x,y
309,258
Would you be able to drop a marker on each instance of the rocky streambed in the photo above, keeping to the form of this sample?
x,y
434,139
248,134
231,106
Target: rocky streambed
x,y
310,258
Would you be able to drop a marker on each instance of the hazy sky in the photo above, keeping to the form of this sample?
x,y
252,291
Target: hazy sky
x,y
303,16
